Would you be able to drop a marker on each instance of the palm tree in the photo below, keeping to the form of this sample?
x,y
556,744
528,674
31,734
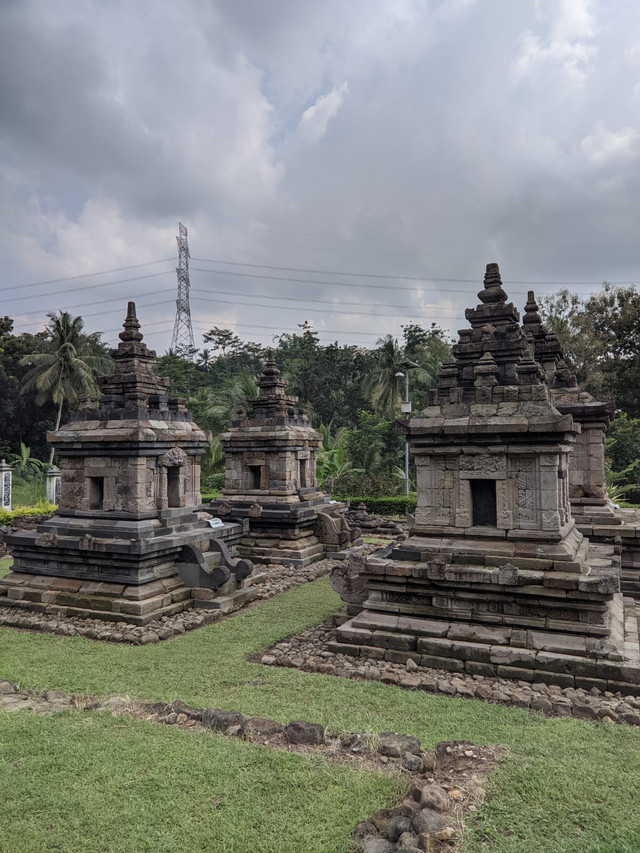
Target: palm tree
x,y
382,386
66,368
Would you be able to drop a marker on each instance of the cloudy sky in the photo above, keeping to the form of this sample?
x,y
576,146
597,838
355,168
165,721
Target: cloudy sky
x,y
354,163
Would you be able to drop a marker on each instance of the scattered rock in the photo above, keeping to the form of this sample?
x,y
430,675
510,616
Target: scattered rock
x,y
301,732
395,745
396,827
261,729
220,721
428,820
434,797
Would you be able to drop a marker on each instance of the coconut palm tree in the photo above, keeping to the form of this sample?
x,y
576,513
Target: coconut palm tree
x,y
67,367
382,385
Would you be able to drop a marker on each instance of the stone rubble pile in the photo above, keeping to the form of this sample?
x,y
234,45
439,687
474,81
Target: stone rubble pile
x,y
309,652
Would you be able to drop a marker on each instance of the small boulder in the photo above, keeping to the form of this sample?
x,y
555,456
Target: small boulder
x,y
261,729
428,820
378,845
220,721
301,732
434,797
395,745
396,827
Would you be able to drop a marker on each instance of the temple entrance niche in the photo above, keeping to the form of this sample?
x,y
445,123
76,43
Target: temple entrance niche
x,y
483,503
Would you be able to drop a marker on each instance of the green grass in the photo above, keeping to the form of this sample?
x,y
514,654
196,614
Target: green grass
x,y
567,787
5,566
27,492
92,782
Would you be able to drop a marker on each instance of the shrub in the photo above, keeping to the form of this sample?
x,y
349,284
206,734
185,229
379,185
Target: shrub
x,y
41,508
388,505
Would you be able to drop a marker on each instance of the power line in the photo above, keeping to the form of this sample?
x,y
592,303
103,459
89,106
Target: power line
x,y
84,287
307,299
314,310
85,275
386,277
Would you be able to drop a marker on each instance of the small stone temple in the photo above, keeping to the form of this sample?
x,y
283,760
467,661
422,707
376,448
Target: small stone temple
x,y
271,481
495,577
128,541
595,514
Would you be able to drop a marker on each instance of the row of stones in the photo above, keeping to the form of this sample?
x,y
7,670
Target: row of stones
x,y
560,578
278,580
309,652
487,659
431,813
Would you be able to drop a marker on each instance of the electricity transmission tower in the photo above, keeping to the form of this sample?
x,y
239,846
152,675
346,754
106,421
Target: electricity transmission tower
x,y
182,340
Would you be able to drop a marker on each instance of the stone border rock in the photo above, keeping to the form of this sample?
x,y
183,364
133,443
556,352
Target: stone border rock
x,y
309,652
279,579
445,784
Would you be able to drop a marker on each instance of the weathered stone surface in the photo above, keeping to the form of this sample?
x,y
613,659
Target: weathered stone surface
x,y
396,745
301,732
220,721
129,505
493,552
261,729
428,820
434,797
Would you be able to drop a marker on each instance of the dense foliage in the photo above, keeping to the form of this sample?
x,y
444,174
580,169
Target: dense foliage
x,y
352,394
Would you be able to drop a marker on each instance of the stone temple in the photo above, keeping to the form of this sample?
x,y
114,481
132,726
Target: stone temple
x,y
271,482
129,540
495,577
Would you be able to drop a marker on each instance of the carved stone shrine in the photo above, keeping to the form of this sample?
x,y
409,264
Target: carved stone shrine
x,y
128,541
271,481
495,578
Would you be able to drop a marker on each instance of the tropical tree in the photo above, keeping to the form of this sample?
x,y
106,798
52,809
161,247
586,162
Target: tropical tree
x,y
382,384
67,366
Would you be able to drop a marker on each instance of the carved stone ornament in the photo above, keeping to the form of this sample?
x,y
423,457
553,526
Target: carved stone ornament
x,y
348,581
173,458
46,540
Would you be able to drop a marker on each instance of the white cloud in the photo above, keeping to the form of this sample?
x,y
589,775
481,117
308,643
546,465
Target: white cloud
x,y
566,45
606,146
315,119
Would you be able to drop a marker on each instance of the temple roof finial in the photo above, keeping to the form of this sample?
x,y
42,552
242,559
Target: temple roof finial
x,y
492,291
531,315
131,326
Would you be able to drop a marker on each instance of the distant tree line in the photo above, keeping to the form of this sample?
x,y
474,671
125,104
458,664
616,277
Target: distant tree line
x,y
351,393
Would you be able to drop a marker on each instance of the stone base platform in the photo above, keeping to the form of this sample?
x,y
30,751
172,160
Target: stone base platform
x,y
137,605
553,619
624,534
505,652
301,550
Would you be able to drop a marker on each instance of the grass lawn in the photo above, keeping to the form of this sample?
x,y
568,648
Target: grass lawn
x,y
567,785
93,782
5,566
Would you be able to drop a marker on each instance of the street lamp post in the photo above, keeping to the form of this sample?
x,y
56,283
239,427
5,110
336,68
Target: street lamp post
x,y
406,409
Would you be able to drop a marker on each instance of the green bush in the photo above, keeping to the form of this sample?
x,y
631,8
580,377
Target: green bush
x,y
41,508
389,505
209,496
